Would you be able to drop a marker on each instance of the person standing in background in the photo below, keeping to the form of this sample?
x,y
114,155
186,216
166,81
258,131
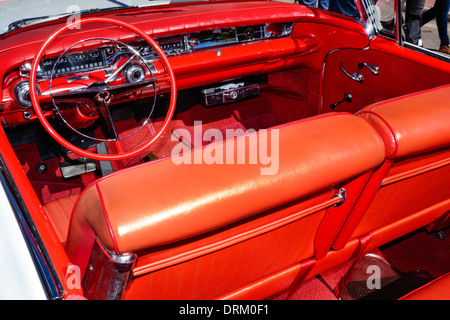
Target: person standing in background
x,y
322,4
413,21
440,12
347,7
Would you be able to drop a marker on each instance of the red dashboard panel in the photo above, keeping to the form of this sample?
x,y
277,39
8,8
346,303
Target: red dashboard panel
x,y
191,70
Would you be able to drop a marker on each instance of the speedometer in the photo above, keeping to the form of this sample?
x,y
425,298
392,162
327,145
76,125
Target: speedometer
x,y
74,62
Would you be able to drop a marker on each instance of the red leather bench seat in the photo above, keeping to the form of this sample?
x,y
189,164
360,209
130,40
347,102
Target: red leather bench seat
x,y
411,189
203,230
439,289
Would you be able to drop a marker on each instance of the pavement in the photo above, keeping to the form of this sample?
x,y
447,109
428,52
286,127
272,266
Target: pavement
x,y
430,36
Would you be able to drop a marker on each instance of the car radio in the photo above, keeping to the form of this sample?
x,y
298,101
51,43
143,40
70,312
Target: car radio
x,y
229,92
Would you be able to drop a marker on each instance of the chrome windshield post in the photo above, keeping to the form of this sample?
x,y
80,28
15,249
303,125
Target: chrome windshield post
x,y
370,17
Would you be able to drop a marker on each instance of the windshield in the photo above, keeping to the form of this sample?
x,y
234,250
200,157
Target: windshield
x,y
15,14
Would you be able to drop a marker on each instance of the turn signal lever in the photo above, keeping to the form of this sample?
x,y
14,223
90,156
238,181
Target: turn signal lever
x,y
347,98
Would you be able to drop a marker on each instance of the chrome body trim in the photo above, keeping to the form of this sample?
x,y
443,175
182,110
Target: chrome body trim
x,y
107,274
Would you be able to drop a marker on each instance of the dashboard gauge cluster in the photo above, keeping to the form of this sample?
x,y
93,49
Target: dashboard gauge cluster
x,y
173,45
105,57
116,59
74,62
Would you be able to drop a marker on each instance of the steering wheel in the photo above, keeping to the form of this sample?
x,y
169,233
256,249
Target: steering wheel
x,y
101,93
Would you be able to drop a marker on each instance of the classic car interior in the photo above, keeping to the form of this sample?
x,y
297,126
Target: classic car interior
x,y
93,110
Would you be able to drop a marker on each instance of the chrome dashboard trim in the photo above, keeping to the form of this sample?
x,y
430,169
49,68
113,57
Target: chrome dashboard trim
x,y
169,47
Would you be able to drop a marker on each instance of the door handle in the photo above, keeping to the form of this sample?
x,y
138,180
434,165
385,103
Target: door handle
x,y
358,77
372,67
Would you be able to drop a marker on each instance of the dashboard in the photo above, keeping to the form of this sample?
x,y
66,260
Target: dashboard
x,y
207,44
188,43
76,67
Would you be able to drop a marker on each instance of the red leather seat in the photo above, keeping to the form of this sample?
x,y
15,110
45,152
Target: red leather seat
x,y
59,213
438,289
411,189
203,231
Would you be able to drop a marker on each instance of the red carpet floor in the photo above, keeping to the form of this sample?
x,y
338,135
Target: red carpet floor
x,y
416,251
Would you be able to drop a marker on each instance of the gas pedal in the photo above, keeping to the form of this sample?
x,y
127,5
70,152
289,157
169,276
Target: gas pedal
x,y
105,166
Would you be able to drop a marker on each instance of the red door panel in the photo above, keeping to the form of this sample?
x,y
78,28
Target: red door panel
x,y
401,71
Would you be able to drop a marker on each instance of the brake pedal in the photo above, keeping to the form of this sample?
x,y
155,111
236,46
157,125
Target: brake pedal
x,y
77,167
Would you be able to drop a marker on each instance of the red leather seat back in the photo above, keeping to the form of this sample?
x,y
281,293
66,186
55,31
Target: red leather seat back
x,y
438,289
203,230
411,189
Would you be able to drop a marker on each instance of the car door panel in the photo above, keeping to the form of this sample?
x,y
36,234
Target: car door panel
x,y
401,71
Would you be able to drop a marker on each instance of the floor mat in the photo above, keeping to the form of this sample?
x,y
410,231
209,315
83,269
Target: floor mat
x,y
419,250
48,183
375,279
314,288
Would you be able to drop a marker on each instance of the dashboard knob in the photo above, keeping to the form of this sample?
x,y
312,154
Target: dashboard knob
x,y
22,94
193,42
134,73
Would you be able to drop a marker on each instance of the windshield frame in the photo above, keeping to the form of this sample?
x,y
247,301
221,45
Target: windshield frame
x,y
71,12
